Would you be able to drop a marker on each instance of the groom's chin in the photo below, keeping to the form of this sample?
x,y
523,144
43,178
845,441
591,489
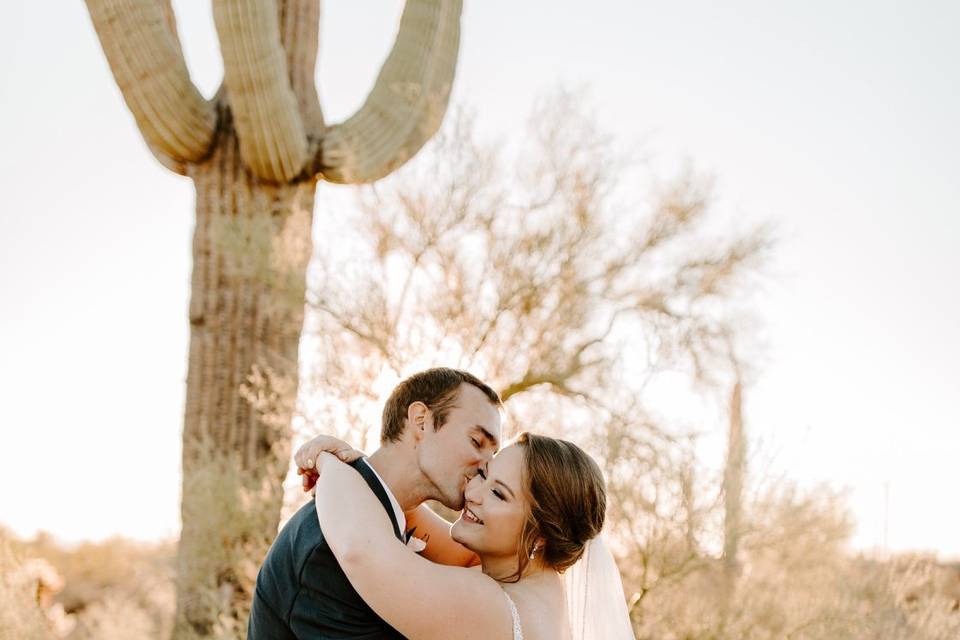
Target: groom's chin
x,y
455,503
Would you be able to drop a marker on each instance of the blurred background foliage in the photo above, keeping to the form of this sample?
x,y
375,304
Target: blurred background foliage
x,y
562,271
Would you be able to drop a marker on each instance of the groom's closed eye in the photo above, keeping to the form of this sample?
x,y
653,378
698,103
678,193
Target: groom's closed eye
x,y
481,437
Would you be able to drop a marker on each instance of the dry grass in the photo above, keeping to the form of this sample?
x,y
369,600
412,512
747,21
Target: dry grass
x,y
21,616
797,583
112,590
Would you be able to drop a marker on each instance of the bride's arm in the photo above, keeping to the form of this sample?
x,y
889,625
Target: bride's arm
x,y
427,525
420,599
435,531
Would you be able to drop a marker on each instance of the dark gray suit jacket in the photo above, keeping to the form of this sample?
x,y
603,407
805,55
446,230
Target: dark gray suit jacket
x,y
303,594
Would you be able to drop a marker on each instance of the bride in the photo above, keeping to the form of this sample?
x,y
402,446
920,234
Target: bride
x,y
530,522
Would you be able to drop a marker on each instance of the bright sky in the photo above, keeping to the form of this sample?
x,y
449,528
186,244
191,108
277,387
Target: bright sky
x,y
837,121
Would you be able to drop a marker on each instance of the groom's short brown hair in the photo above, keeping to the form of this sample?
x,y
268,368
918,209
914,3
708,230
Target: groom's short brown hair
x,y
437,388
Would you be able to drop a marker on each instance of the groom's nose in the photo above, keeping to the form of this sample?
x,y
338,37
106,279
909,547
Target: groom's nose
x,y
480,463
484,455
476,463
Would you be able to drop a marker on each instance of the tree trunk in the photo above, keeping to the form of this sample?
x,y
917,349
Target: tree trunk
x,y
251,247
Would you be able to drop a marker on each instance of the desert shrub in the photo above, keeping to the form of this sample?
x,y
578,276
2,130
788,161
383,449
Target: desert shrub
x,y
21,616
115,617
798,581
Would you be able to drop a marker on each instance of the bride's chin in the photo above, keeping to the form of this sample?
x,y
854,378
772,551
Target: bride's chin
x,y
456,533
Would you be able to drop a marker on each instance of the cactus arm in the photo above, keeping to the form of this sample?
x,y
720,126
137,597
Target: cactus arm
x,y
273,140
407,103
144,54
300,37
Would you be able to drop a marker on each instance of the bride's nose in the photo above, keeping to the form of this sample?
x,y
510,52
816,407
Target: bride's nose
x,y
473,493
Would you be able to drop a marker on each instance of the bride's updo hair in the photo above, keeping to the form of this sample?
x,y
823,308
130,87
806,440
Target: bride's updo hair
x,y
567,502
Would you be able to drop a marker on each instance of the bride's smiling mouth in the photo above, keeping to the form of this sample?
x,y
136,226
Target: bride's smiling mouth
x,y
470,516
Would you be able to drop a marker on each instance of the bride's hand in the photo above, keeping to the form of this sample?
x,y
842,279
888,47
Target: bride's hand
x,y
306,457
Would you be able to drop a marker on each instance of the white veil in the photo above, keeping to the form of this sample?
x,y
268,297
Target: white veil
x,y
596,606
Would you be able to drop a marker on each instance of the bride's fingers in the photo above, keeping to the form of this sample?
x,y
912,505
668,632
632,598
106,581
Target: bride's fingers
x,y
305,456
348,454
345,452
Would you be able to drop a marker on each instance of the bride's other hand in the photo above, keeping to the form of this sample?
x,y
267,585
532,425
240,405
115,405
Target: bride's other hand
x,y
306,457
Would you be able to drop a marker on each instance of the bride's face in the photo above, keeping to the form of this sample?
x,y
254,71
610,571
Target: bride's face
x,y
495,508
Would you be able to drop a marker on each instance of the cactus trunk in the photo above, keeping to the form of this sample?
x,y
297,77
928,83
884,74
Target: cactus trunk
x,y
251,248
255,152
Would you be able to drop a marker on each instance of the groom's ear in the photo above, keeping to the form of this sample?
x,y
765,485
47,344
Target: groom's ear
x,y
419,419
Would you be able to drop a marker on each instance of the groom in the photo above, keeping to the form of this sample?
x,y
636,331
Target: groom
x,y
439,427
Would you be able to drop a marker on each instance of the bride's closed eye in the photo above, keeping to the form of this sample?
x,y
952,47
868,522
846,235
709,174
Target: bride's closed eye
x,y
483,474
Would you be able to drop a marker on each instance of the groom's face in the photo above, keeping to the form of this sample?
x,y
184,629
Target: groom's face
x,y
450,456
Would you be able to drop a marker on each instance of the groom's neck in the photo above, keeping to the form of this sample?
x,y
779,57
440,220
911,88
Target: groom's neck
x,y
397,466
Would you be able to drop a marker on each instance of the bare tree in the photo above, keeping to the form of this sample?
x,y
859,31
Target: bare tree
x,y
534,273
546,266
255,153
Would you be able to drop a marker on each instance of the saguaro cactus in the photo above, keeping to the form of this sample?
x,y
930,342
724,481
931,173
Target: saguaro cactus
x,y
255,153
733,479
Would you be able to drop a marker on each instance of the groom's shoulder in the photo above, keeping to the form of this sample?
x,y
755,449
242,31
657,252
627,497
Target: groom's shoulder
x,y
301,535
278,580
291,550
302,532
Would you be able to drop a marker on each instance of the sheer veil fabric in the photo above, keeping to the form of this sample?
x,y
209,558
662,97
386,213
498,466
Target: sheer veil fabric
x,y
596,606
